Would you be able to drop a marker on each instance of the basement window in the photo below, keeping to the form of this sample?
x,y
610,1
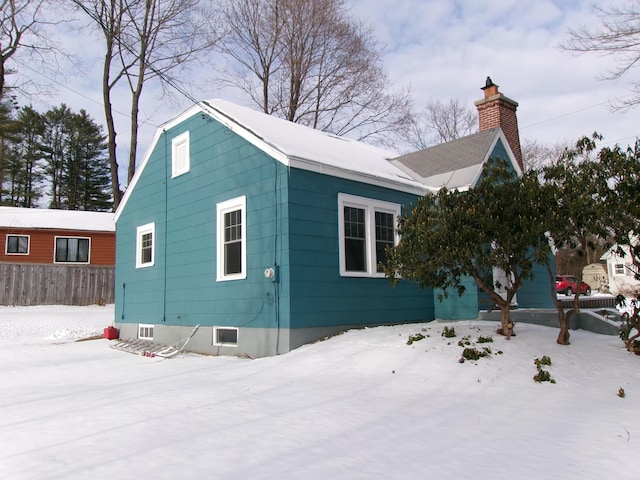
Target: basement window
x,y
145,331
225,336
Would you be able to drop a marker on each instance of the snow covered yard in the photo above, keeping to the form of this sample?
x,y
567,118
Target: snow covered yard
x,y
361,405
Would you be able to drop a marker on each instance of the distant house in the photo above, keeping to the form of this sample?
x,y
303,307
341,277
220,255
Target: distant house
x,y
56,256
621,273
595,274
268,234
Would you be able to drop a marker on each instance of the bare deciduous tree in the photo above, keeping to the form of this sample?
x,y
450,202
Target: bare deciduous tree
x,y
19,19
145,39
619,36
307,61
536,155
108,17
441,121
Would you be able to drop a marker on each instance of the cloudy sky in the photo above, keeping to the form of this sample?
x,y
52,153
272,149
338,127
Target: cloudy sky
x,y
446,49
442,49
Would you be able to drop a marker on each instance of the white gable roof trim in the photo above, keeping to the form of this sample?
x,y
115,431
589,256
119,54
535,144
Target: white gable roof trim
x,y
295,146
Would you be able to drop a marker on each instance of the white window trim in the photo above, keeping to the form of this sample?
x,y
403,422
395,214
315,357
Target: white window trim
x,y
223,344
370,206
55,243
145,331
140,231
181,140
6,244
238,203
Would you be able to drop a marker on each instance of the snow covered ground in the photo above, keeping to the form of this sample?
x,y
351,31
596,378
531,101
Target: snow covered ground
x,y
362,405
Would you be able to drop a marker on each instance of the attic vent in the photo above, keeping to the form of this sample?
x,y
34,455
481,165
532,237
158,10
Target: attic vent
x,y
180,155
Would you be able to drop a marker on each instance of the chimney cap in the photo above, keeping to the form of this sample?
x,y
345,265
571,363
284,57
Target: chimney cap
x,y
488,84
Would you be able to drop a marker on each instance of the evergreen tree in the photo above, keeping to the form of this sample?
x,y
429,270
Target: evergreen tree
x,y
54,149
8,135
86,177
27,173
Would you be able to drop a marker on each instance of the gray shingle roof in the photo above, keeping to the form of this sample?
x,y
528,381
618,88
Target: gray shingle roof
x,y
460,158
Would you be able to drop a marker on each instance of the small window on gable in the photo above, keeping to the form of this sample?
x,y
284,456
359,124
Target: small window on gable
x,y
180,162
619,269
366,229
145,331
232,239
225,336
17,245
71,250
145,245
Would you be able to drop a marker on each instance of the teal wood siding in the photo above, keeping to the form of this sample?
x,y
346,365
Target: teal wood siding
x,y
454,307
536,293
181,288
319,295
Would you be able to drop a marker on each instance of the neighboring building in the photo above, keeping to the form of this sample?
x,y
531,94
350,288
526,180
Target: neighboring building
x,y
267,233
46,250
595,274
621,273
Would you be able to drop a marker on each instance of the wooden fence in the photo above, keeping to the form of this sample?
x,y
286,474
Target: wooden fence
x,y
36,284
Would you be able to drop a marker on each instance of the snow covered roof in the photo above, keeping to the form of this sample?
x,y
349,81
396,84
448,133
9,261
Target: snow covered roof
x,y
296,146
15,217
309,149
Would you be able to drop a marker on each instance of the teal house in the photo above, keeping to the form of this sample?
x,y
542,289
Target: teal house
x,y
268,234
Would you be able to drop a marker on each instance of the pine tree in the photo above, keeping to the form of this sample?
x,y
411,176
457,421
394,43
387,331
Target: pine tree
x,y
27,173
86,177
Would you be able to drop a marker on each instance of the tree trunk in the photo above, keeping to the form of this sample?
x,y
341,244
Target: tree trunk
x,y
563,335
506,325
111,129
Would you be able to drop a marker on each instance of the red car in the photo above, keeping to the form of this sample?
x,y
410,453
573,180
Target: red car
x,y
568,284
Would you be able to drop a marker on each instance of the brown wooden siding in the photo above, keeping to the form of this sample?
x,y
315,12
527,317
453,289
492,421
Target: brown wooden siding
x,y
102,245
30,284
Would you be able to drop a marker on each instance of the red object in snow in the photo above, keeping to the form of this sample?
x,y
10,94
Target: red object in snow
x,y
111,333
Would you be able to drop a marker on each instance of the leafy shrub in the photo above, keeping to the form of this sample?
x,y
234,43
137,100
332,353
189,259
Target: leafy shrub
x,y
543,375
545,360
415,338
482,339
464,341
621,393
448,332
473,353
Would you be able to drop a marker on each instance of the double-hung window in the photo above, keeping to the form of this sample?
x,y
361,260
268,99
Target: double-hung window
x,y
366,229
17,245
145,245
232,239
71,250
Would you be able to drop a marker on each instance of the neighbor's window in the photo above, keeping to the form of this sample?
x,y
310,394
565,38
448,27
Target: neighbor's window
x,y
225,336
366,228
145,245
17,245
71,250
180,161
619,269
232,241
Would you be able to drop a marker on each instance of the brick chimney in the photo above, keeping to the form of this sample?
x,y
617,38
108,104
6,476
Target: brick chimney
x,y
496,110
